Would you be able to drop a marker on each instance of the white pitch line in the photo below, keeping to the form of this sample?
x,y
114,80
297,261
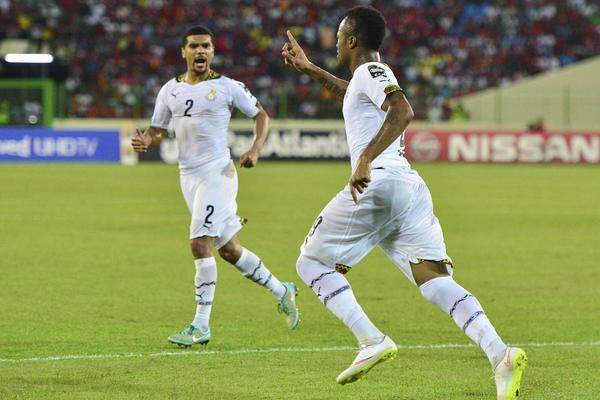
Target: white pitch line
x,y
278,350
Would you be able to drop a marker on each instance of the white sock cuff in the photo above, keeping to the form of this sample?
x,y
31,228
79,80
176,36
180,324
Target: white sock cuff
x,y
205,262
429,288
243,257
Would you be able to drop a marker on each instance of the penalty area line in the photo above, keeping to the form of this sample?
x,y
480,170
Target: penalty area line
x,y
277,350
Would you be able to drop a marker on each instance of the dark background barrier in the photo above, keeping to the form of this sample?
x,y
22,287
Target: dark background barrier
x,y
422,145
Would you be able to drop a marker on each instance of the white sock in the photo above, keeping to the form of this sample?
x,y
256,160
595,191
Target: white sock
x,y
334,290
253,268
205,281
467,313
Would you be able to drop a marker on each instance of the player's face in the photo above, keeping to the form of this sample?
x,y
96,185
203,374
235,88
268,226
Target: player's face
x,y
342,47
198,53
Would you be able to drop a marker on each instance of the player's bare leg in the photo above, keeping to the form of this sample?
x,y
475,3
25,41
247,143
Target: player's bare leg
x,y
332,288
254,269
438,287
205,280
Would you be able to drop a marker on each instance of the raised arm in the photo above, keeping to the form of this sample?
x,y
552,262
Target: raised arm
x,y
146,138
261,131
294,55
399,114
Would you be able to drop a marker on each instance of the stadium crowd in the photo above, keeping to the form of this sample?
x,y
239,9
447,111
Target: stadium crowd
x,y
120,52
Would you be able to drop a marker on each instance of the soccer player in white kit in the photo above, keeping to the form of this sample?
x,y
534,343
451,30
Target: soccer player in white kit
x,y
199,105
385,204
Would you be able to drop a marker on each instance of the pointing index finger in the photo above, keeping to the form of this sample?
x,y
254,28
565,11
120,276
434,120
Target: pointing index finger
x,y
291,37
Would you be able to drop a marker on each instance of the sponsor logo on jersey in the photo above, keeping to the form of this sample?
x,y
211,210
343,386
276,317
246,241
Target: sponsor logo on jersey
x,y
376,71
176,91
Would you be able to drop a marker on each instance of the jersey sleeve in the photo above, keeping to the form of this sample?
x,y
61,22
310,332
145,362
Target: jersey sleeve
x,y
162,114
377,81
242,99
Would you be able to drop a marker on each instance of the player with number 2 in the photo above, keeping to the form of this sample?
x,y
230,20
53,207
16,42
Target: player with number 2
x,y
198,104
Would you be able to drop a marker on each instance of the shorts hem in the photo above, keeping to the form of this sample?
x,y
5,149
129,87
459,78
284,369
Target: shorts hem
x,y
224,239
201,235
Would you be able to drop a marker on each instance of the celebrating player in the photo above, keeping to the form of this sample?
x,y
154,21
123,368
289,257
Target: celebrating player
x,y
386,203
199,105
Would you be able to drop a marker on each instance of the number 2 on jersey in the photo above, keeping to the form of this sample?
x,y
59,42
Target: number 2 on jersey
x,y
190,104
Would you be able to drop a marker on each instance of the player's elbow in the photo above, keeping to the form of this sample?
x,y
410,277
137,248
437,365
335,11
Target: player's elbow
x,y
262,115
403,110
409,114
400,107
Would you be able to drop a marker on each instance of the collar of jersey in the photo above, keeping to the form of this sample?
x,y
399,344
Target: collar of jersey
x,y
211,75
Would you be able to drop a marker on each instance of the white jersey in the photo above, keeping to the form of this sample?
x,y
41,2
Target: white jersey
x,y
363,116
200,114
395,212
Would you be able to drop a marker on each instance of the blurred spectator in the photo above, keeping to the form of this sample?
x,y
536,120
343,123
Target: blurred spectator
x,y
537,125
458,113
121,52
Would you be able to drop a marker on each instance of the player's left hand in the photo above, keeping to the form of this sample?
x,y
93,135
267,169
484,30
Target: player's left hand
x,y
359,181
249,159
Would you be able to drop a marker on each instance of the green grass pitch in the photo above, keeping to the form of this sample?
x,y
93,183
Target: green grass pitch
x,y
95,273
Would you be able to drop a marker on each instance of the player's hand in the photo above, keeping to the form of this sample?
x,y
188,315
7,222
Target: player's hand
x,y
359,181
141,141
294,55
249,159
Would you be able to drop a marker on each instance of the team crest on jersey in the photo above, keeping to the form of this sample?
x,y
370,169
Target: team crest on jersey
x,y
211,95
376,71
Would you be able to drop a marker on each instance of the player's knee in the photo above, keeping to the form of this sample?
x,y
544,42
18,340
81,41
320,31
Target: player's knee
x,y
301,267
428,270
309,269
231,252
201,247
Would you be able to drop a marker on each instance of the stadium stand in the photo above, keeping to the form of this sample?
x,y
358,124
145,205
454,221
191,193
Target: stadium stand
x,y
119,53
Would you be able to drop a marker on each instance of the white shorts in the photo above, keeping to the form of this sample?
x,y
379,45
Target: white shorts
x,y
395,212
210,193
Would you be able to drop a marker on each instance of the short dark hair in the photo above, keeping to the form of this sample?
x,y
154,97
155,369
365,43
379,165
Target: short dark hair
x,y
197,30
367,24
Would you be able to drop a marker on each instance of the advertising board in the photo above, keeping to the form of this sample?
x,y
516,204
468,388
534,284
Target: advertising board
x,y
474,146
50,145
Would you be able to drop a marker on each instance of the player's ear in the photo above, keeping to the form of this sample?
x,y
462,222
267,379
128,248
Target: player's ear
x,y
352,42
183,52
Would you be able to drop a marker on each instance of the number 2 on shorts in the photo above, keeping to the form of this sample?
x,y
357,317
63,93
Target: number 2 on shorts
x,y
314,228
211,210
